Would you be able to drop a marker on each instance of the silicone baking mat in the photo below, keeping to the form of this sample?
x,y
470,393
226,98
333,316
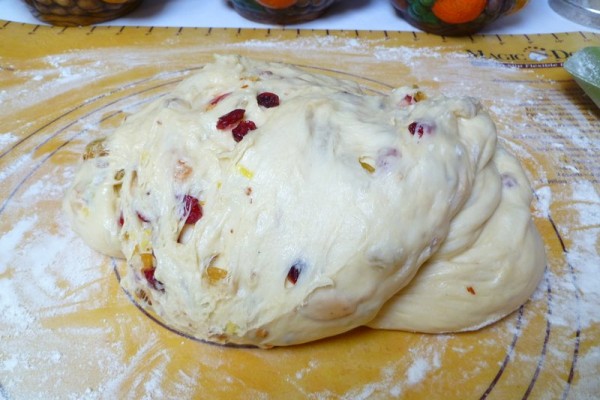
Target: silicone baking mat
x,y
67,329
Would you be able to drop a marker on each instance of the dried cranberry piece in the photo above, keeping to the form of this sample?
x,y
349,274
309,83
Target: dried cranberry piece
x,y
412,128
231,118
242,130
141,217
408,99
121,219
420,128
192,208
218,98
267,99
293,274
152,281
508,181
386,157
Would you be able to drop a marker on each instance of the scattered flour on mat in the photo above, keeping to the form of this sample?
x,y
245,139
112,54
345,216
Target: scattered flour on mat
x,y
54,75
10,240
56,272
421,363
543,199
17,164
312,364
45,272
6,139
325,43
584,259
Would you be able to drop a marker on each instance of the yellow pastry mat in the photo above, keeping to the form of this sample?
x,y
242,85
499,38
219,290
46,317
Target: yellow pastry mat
x,y
67,330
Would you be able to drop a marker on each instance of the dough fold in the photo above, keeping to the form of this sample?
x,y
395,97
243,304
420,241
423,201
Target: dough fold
x,y
261,204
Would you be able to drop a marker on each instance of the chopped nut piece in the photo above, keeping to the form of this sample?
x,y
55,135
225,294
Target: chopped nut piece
x,y
262,333
119,175
95,149
142,295
182,170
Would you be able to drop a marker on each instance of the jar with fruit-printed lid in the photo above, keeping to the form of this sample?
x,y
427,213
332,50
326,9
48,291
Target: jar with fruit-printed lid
x,y
281,12
455,17
79,12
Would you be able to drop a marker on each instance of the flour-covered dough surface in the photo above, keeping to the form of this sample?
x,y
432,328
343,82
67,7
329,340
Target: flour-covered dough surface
x,y
261,204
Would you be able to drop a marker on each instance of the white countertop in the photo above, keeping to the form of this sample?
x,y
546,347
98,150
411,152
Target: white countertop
x,y
536,17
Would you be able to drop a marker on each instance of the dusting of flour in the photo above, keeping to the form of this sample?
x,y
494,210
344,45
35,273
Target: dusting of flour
x,y
53,289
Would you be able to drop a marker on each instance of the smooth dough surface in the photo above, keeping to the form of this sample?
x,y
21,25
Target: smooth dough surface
x,y
331,209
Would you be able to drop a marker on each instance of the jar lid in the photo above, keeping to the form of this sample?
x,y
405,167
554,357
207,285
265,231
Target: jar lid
x,y
584,12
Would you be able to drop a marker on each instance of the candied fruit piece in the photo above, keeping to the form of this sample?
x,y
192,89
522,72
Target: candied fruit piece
x,y
215,274
231,328
147,260
230,119
148,269
267,99
245,171
364,162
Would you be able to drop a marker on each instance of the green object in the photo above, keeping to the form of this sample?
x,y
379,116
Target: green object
x,y
584,66
419,13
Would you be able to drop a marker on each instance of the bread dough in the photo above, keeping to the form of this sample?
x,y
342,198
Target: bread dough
x,y
489,264
261,204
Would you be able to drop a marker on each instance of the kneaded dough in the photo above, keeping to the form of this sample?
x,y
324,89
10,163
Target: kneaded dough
x,y
261,204
475,281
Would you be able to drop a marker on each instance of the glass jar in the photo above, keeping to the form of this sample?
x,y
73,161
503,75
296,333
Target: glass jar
x,y
281,12
455,17
79,12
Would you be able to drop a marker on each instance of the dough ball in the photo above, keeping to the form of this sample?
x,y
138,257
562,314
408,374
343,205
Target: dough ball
x,y
261,204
